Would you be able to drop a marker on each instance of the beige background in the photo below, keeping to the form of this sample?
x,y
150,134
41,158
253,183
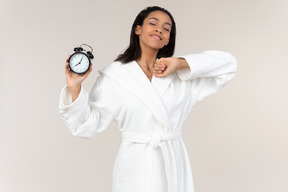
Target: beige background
x,y
236,139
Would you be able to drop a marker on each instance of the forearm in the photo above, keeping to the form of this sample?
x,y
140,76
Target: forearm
x,y
182,63
208,64
74,91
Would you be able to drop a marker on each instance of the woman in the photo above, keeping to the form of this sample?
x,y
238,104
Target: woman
x,y
149,94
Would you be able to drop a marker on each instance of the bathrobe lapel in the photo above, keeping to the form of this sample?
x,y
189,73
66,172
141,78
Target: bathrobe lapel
x,y
131,77
162,83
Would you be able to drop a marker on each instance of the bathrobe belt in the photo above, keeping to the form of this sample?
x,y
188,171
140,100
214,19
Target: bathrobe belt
x,y
157,140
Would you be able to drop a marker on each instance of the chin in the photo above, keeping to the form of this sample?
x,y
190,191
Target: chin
x,y
157,46
153,44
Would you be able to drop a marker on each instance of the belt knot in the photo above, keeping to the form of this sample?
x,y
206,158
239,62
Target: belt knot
x,y
155,140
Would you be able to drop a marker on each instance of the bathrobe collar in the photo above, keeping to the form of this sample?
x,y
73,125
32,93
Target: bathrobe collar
x,y
131,77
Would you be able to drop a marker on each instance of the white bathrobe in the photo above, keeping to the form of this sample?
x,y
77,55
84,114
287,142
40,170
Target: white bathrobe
x,y
152,156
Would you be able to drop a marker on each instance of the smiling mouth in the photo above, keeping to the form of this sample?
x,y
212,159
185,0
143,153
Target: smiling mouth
x,y
156,37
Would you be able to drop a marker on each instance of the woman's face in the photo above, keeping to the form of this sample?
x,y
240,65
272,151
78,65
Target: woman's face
x,y
155,31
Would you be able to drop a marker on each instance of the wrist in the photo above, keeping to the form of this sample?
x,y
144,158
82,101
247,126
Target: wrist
x,y
74,89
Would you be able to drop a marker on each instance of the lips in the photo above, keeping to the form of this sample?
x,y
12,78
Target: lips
x,y
156,37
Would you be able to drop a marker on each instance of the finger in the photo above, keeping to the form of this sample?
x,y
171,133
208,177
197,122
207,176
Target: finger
x,y
157,70
164,62
85,75
68,58
161,74
159,63
90,68
161,60
88,72
67,68
156,73
159,66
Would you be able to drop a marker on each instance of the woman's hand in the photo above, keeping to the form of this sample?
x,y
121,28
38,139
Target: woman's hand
x,y
165,66
74,80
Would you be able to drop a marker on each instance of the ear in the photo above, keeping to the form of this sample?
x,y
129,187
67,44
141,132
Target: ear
x,y
138,30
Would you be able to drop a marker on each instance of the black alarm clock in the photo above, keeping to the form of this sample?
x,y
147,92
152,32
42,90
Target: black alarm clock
x,y
79,62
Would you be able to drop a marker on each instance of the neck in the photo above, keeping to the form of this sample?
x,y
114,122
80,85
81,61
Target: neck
x,y
148,58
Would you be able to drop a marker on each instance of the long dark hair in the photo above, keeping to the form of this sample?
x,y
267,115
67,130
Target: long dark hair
x,y
133,52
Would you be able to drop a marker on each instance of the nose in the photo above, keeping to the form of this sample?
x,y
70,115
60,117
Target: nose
x,y
157,30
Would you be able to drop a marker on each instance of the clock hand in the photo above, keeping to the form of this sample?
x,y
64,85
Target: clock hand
x,y
79,62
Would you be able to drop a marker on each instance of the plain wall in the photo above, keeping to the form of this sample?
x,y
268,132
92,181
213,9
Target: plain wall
x,y
236,139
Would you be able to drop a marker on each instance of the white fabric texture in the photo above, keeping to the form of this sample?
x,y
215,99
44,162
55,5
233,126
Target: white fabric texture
x,y
152,156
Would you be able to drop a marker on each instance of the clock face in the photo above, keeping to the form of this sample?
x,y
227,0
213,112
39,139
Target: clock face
x,y
79,63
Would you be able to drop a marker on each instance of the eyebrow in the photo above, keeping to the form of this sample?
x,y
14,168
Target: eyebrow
x,y
158,20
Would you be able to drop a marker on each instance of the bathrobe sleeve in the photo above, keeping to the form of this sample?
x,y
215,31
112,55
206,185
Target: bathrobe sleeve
x,y
208,72
89,114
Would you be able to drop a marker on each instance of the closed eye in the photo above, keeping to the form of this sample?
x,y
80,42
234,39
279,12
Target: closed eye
x,y
166,29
